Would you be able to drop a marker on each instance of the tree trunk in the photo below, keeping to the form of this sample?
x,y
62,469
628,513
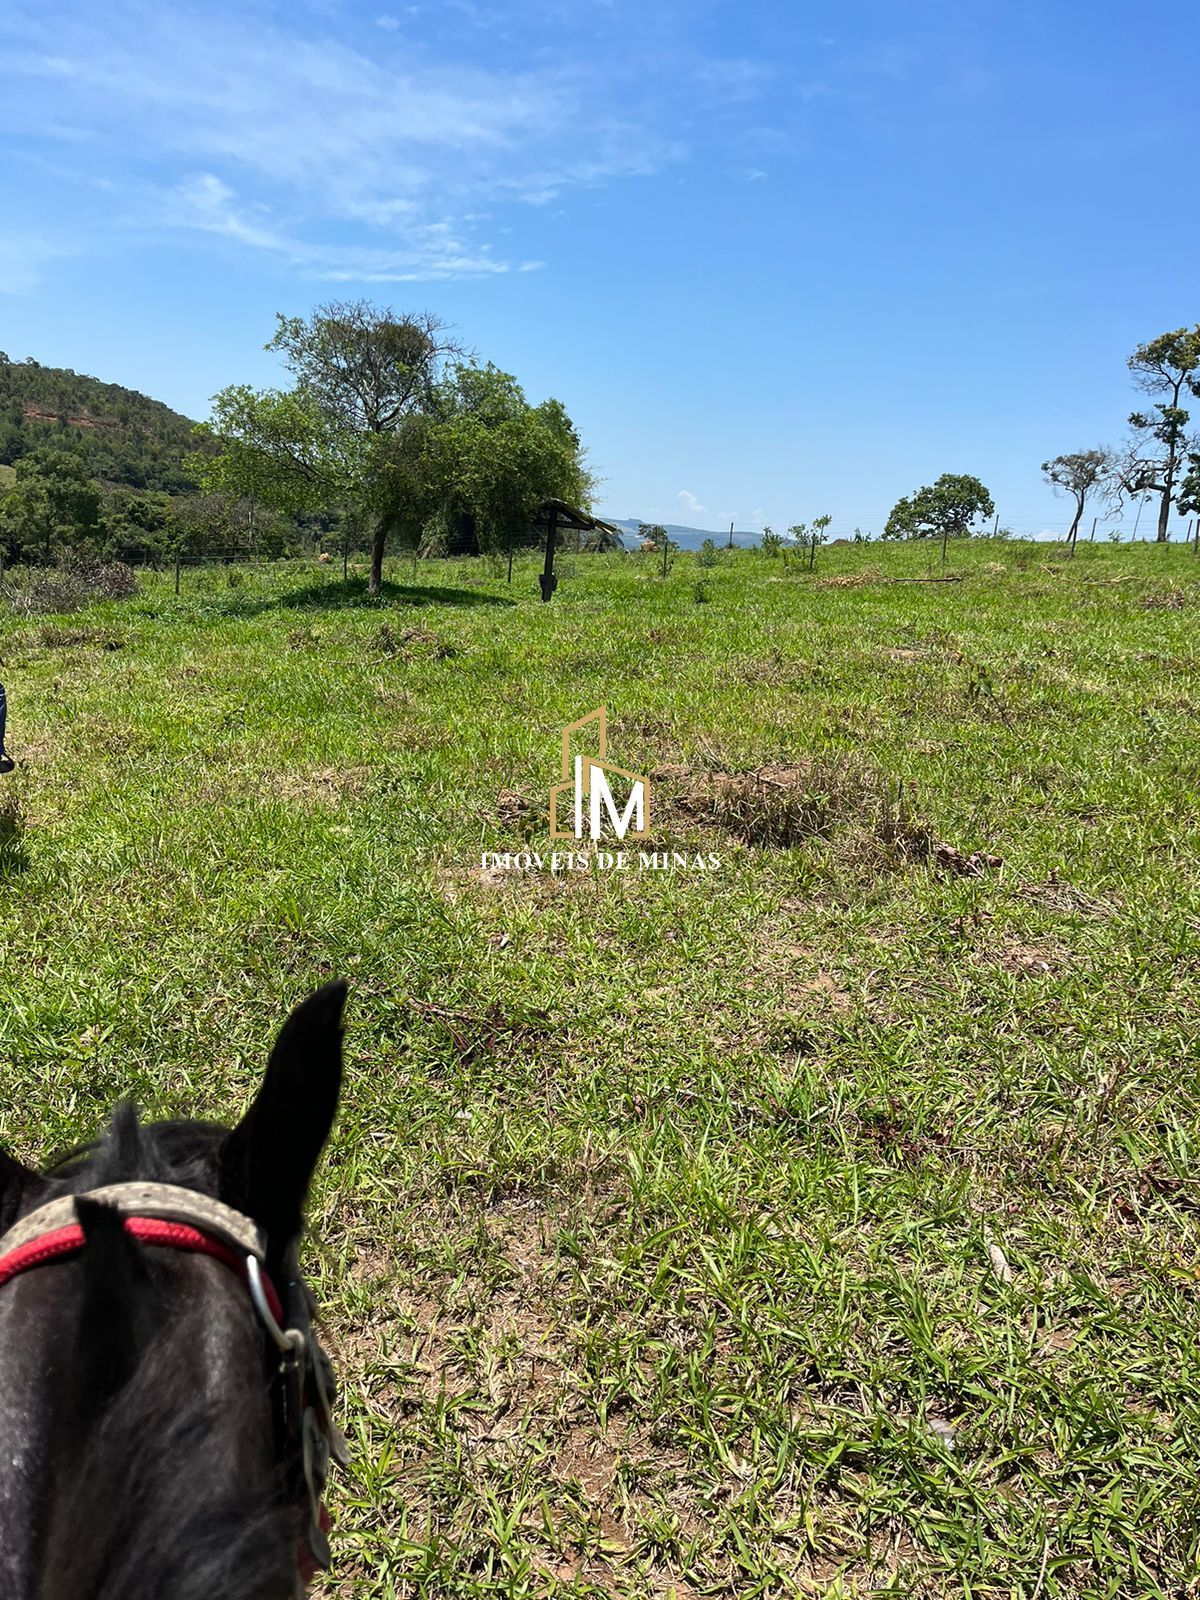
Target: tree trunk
x,y
1074,533
1164,513
377,547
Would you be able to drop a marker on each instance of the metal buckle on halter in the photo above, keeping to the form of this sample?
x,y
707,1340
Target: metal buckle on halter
x,y
290,1342
292,1346
301,1357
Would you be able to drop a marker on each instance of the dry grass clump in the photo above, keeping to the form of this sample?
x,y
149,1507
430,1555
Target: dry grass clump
x,y
816,799
35,591
849,580
788,804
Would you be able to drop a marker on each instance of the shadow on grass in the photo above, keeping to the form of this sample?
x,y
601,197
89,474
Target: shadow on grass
x,y
13,856
352,595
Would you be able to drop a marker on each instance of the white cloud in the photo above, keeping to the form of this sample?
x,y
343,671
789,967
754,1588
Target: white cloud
x,y
272,137
205,202
689,505
431,253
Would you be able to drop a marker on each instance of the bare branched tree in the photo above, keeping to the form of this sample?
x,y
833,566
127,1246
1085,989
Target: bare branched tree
x,y
1082,474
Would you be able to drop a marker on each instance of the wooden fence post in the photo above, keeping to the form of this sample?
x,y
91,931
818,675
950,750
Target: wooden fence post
x,y
547,580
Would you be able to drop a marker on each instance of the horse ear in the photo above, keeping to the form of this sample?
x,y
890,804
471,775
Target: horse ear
x,y
19,1189
268,1160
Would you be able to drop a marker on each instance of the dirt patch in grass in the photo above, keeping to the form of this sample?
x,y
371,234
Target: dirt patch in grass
x,y
515,811
491,1033
776,670
793,975
328,786
504,888
888,1129
825,992
1021,959
1055,895
479,1374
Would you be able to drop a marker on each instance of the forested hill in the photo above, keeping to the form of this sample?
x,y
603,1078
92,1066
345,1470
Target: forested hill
x,y
123,436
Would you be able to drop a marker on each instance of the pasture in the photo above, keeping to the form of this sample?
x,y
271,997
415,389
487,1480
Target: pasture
x,y
825,1223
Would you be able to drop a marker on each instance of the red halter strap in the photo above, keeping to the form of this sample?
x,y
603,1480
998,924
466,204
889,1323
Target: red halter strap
x,y
68,1241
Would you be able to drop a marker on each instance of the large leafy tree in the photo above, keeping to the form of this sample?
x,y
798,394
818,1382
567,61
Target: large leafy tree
x,y
947,509
361,376
1167,368
136,525
380,424
1082,474
499,458
52,505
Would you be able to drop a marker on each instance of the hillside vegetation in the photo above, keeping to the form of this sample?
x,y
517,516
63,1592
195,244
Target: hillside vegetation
x,y
825,1223
123,437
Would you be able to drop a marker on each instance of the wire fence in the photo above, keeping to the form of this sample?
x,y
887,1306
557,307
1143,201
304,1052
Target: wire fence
x,y
349,561
149,556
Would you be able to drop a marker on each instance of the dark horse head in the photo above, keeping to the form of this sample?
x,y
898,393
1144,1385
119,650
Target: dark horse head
x,y
159,1421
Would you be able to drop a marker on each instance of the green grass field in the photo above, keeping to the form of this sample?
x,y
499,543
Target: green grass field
x,y
823,1224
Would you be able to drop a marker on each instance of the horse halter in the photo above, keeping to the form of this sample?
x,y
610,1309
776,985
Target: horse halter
x,y
182,1219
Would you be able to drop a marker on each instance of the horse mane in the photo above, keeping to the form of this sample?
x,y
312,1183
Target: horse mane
x,y
146,1510
183,1152
148,1507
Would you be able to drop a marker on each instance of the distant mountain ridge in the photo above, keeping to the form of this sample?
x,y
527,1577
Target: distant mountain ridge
x,y
685,538
124,437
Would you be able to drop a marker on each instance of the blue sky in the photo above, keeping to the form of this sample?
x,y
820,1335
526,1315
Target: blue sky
x,y
777,259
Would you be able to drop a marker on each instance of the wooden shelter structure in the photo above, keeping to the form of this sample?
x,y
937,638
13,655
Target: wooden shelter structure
x,y
553,515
